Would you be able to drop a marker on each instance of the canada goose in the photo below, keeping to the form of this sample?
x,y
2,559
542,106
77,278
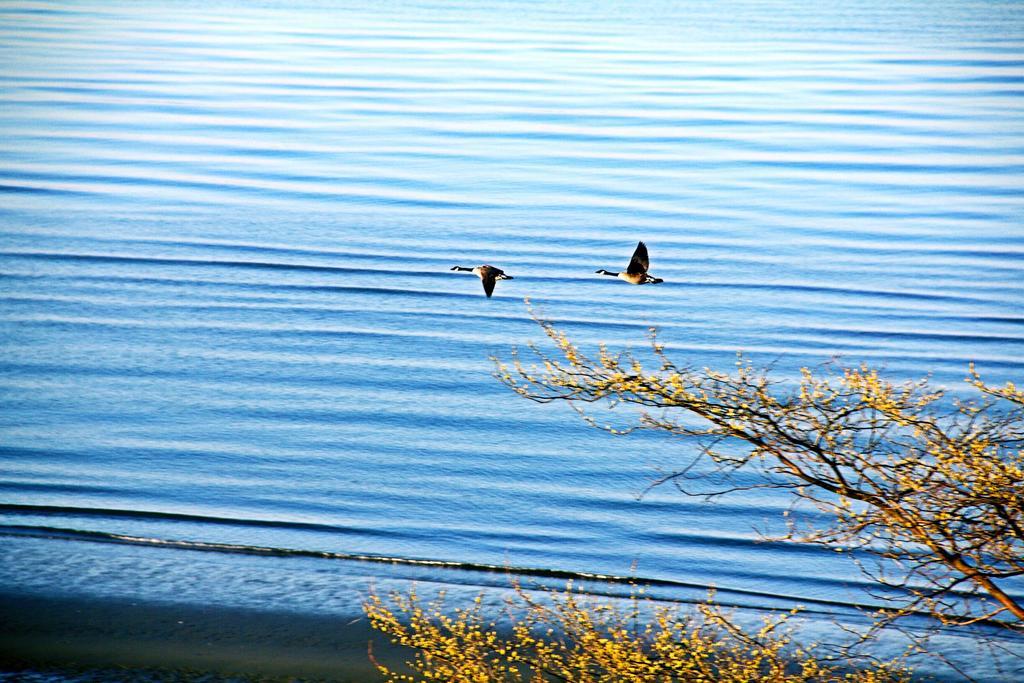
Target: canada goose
x,y
636,271
488,275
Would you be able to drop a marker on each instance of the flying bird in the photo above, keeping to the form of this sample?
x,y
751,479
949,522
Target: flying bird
x,y
487,274
636,271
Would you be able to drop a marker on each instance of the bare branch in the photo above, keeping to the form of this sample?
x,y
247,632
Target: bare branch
x,y
933,488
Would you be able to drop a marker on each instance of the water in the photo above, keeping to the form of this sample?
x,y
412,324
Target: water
x,y
228,317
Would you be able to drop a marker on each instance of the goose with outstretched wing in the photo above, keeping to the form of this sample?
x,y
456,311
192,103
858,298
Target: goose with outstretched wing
x,y
488,276
636,272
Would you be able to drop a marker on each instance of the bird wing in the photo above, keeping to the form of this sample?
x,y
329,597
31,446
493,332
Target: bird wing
x,y
488,281
639,263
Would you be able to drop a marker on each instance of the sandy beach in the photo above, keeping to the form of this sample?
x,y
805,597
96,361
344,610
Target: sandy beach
x,y
75,634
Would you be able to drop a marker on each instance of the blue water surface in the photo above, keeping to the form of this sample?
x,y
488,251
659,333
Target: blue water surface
x,y
227,228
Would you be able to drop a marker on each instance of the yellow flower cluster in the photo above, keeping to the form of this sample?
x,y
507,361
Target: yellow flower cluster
x,y
932,488
567,636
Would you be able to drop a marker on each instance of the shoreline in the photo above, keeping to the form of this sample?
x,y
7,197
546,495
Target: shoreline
x,y
49,632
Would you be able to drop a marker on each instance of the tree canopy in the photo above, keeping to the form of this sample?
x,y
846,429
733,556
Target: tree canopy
x,y
931,488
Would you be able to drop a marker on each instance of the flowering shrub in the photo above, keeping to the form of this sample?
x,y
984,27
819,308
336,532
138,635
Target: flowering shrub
x,y
568,636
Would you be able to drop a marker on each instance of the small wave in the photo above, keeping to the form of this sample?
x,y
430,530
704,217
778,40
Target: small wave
x,y
910,335
114,185
247,247
158,260
541,573
28,189
849,291
168,516
52,487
